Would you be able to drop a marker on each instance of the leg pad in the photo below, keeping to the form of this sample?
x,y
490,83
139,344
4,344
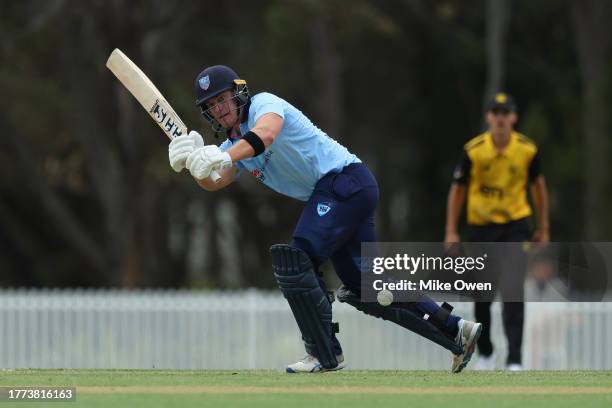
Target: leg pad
x,y
310,305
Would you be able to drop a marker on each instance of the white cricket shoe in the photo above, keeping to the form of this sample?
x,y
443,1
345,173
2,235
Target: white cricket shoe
x,y
310,364
514,367
468,334
486,363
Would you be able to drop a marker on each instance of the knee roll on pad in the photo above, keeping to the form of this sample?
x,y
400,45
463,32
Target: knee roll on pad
x,y
310,305
404,316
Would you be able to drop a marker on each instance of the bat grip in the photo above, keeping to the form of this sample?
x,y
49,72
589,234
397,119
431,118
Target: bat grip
x,y
215,176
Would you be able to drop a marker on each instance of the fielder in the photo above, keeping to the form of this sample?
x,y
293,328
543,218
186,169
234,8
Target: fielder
x,y
494,172
276,143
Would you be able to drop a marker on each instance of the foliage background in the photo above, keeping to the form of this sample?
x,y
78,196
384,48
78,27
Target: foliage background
x,y
87,198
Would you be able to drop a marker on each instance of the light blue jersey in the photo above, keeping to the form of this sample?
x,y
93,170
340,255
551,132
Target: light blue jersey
x,y
300,155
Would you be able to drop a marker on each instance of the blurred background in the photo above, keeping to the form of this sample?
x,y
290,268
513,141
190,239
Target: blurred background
x,y
87,198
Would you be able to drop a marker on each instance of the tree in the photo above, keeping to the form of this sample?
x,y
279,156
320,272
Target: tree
x,y
590,22
497,23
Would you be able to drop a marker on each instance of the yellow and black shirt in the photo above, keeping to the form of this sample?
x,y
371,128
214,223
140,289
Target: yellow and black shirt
x,y
497,180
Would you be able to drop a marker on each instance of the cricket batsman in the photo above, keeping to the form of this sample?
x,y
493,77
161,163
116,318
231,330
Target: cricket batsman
x,y
277,144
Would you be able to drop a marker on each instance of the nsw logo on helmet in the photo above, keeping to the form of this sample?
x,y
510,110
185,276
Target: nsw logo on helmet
x,y
204,82
214,80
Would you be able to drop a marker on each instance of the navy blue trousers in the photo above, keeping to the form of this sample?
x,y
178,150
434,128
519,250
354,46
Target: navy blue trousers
x,y
337,218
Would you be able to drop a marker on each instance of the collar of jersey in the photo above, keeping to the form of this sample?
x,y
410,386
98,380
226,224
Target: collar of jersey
x,y
503,153
228,132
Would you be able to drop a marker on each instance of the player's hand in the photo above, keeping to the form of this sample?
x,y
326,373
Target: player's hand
x,y
451,243
201,162
181,147
542,236
451,237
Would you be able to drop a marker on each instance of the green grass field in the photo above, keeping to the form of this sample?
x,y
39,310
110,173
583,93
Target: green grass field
x,y
430,389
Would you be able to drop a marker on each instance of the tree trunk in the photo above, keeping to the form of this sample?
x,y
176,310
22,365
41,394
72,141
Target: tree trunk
x,y
590,20
328,78
497,22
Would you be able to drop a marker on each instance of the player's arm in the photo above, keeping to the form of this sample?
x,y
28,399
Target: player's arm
x,y
262,135
253,143
456,198
539,196
454,205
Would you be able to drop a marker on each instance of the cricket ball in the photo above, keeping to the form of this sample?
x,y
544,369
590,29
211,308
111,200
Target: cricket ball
x,y
384,297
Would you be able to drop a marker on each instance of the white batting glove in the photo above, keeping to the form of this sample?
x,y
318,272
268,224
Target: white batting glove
x,y
181,147
201,162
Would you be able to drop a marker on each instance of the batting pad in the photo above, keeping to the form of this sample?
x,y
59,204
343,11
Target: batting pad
x,y
310,305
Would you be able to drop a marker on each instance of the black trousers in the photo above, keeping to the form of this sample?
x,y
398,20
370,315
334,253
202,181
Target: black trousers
x,y
513,313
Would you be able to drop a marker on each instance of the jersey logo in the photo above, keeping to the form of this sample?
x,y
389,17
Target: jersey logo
x,y
204,82
259,175
323,208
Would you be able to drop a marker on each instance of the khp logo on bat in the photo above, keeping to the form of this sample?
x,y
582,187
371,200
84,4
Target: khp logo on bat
x,y
163,115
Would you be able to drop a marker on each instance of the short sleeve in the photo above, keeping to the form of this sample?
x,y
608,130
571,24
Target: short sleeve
x,y
535,167
224,147
267,103
461,174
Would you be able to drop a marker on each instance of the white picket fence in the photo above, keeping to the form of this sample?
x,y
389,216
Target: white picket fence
x,y
255,329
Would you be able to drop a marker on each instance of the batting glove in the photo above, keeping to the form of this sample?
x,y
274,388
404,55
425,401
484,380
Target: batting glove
x,y
181,147
201,162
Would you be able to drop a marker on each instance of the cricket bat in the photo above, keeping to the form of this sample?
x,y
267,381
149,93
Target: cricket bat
x,y
149,96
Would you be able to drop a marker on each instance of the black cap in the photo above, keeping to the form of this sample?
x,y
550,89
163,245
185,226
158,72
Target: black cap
x,y
502,100
214,80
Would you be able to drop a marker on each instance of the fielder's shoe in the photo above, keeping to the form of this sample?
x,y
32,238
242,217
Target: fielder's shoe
x,y
310,364
486,363
514,367
468,334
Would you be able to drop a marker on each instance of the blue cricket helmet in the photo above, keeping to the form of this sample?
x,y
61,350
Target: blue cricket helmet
x,y
214,80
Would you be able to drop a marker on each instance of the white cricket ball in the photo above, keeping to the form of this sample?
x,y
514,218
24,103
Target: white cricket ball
x,y
384,297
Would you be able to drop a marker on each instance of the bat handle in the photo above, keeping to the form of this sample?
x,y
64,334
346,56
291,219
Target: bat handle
x,y
215,176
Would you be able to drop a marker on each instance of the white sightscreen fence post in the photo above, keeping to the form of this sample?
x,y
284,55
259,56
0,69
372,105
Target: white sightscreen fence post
x,y
252,331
